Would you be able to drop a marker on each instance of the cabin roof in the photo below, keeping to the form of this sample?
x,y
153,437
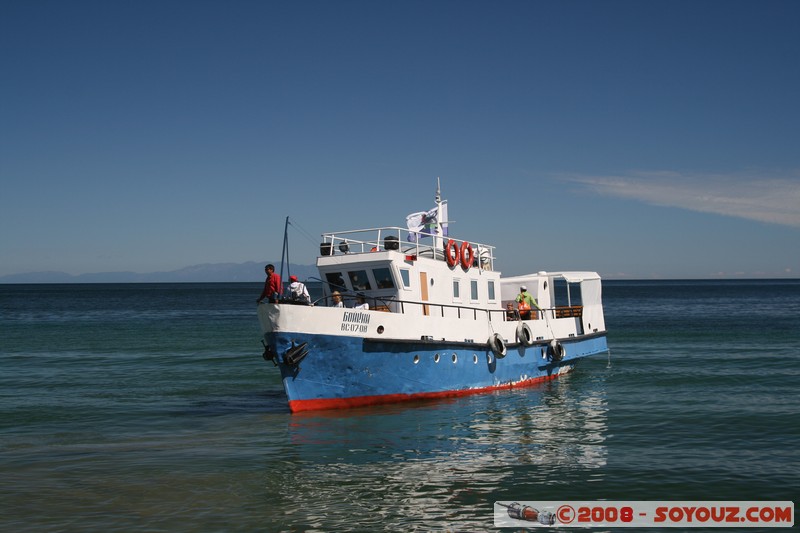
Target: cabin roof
x,y
570,277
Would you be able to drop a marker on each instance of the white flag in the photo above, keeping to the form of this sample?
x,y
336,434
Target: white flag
x,y
421,222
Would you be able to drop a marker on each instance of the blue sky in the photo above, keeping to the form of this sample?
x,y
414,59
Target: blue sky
x,y
656,139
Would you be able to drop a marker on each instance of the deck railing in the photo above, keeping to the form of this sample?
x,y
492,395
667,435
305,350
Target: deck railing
x,y
400,239
458,311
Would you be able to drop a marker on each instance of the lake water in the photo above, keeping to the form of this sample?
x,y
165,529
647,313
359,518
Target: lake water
x,y
149,407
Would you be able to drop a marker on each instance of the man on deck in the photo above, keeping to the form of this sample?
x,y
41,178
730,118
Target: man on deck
x,y
272,286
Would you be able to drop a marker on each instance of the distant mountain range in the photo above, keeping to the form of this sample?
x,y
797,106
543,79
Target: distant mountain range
x,y
250,271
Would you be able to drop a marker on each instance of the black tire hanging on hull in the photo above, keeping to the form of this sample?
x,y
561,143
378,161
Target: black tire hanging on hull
x,y
497,345
524,334
556,351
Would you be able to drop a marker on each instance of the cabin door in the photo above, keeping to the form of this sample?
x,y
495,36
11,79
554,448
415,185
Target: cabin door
x,y
423,286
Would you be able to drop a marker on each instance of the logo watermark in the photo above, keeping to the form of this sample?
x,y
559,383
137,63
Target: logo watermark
x,y
644,514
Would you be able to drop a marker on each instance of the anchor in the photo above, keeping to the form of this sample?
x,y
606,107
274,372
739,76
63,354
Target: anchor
x,y
268,354
295,354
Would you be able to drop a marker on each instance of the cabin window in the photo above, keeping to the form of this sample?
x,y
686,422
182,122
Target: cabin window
x,y
359,280
383,278
473,285
405,275
491,291
565,293
456,290
335,281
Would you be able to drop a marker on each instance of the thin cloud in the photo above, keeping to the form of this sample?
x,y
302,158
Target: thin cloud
x,y
775,200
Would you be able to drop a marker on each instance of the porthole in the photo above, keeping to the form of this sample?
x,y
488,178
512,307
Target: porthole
x,y
416,359
380,330
454,358
475,358
436,358
489,358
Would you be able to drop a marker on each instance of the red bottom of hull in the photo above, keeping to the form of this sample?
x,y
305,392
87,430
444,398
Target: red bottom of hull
x,y
297,406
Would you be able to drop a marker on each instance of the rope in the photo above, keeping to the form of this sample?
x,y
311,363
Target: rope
x,y
303,232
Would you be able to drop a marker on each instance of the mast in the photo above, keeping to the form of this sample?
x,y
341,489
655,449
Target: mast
x,y
285,251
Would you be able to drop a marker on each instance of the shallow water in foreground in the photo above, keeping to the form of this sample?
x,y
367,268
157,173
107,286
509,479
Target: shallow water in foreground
x,y
149,407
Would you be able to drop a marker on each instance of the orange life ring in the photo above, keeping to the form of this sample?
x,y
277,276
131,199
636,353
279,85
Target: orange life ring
x,y
467,255
452,258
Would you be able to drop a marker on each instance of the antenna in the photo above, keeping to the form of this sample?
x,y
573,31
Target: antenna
x,y
439,229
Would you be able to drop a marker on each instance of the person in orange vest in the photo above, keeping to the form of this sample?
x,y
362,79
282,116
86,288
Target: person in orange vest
x,y
525,303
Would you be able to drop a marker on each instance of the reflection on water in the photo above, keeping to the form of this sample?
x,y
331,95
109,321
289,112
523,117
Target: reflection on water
x,y
427,465
400,466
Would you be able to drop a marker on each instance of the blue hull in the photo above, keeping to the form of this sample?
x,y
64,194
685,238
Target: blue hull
x,y
342,371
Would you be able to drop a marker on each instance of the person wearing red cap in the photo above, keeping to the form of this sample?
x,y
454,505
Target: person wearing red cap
x,y
298,292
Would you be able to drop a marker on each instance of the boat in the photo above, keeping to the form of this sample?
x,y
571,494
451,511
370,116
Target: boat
x,y
437,322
